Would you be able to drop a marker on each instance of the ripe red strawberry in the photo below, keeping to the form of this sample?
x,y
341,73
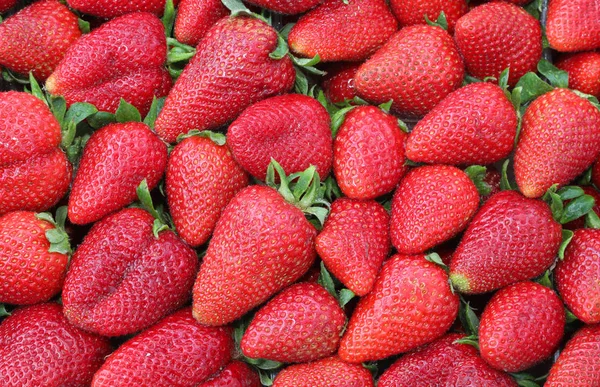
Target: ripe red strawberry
x,y
368,153
496,36
475,124
123,278
178,351
5,5
580,222
417,68
331,372
37,37
197,192
38,347
432,205
512,238
521,326
123,58
354,242
338,84
475,372
410,12
231,71
584,71
195,18
292,129
343,32
302,323
236,374
290,7
596,174
109,9
559,140
410,305
115,160
573,25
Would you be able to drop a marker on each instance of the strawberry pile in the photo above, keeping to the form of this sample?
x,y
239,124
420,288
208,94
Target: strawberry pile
x,y
300,193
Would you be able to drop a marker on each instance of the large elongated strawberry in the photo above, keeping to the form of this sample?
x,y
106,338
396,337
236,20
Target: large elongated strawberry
x,y
123,58
178,351
112,8
195,18
584,71
331,372
417,68
573,25
231,70
39,347
290,7
410,12
235,374
559,140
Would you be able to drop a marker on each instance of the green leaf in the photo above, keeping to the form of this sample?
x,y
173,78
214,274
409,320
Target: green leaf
x,y
285,31
338,119
326,281
372,367
84,26
264,364
79,111
386,106
101,119
217,138
567,236
532,87
168,18
592,220
155,108
544,280
556,77
345,296
577,208
469,319
555,202
570,192
301,82
534,8
69,130
570,317
504,183
527,383
470,79
176,55
281,50
236,7
58,106
36,90
593,100
265,378
503,80
126,112
143,194
515,98
440,22
57,236
477,174
3,311
469,340
435,258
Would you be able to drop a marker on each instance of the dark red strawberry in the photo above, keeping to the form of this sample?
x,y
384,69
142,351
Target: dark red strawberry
x,y
231,70
122,59
573,25
339,82
417,68
123,278
559,140
512,238
195,18
410,12
290,7
236,374
178,351
39,347
5,5
331,372
475,124
580,222
492,179
112,8
584,71
115,160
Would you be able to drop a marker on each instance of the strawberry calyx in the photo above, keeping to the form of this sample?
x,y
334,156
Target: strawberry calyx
x,y
570,203
218,138
441,21
3,311
162,220
477,175
343,296
57,236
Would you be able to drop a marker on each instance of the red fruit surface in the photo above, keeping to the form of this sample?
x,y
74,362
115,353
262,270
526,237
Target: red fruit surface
x,y
475,372
410,12
559,140
584,71
410,305
573,25
109,9
39,347
475,124
354,242
580,222
292,129
195,18
178,351
123,58
495,36
115,160
431,205
343,32
261,244
338,84
290,7
331,372
596,174
512,238
231,71
123,279
236,374
417,68
5,5
492,178
37,37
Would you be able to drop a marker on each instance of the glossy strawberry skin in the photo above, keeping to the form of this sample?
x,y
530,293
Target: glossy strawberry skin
x,y
122,279
5,5
475,124
261,244
474,371
512,238
290,7
580,222
413,12
195,18
203,99
431,205
177,351
292,129
39,347
326,372
559,140
123,58
596,174
303,323
402,71
338,84
573,25
197,192
584,71
354,242
37,37
410,305
115,160
235,374
495,36
109,9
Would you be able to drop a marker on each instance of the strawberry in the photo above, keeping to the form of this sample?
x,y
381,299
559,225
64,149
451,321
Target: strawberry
x,y
290,7
302,323
410,12
331,372
475,372
573,25
512,238
559,140
195,18
231,70
492,179
580,222
354,242
495,36
432,205
596,174
123,58
584,71
123,278
340,30
38,347
5,5
410,305
296,134
197,192
417,68
235,374
368,153
475,124
178,351
338,84
109,9
521,326
45,30
115,160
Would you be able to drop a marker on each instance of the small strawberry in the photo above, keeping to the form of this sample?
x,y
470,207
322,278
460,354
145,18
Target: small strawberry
x,y
580,222
109,9
290,7
5,5
195,18
584,71
331,372
573,25
410,12
338,84
235,374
